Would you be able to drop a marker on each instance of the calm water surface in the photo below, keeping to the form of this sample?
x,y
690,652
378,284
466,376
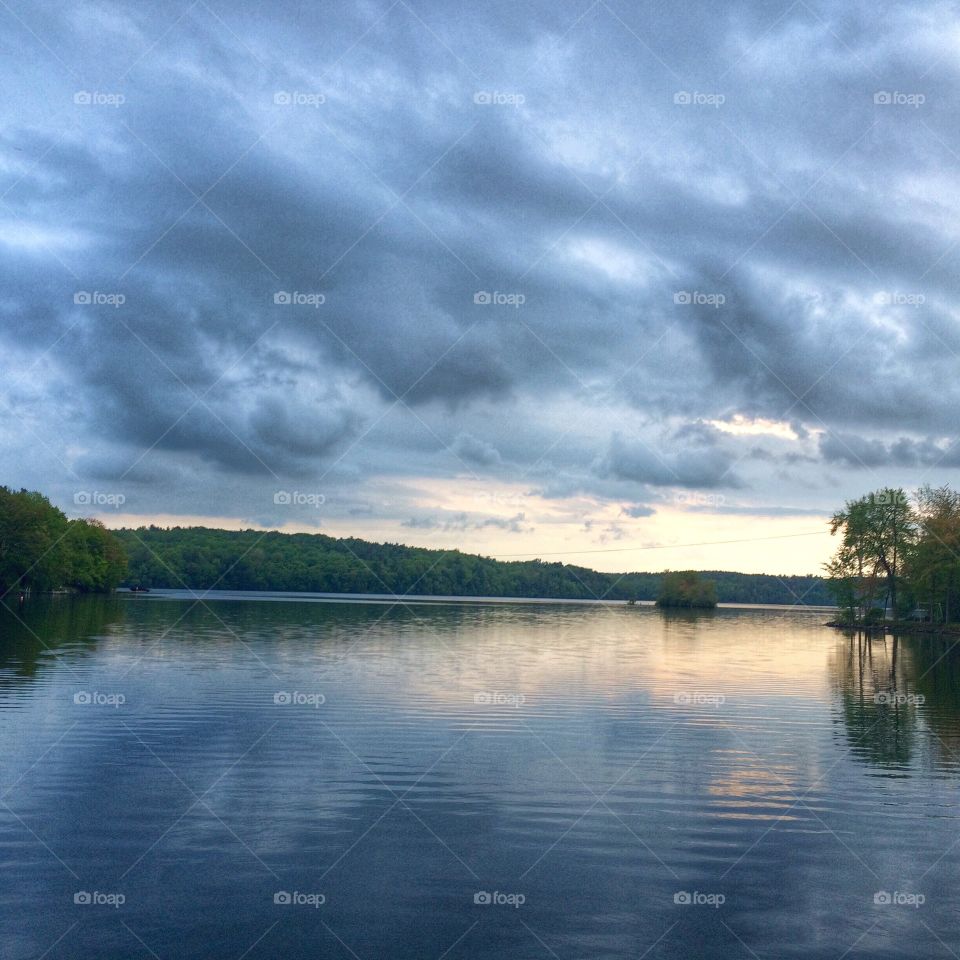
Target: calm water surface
x,y
612,781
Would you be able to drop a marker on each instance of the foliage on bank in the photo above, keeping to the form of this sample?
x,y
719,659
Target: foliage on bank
x,y
898,556
199,558
41,550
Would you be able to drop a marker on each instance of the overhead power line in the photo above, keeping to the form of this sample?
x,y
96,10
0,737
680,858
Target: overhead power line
x,y
666,546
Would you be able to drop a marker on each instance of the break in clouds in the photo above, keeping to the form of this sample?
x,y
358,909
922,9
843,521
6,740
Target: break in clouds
x,y
599,253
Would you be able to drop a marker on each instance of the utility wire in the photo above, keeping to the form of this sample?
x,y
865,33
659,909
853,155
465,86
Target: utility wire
x,y
666,546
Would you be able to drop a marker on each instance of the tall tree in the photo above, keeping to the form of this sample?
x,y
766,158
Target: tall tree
x,y
933,566
877,534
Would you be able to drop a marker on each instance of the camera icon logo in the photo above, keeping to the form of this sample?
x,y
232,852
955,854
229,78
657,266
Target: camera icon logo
x,y
82,697
882,96
482,96
682,97
482,297
281,98
81,896
82,298
282,698
882,897
281,296
682,897
482,897
483,698
281,896
82,498
282,498
83,97
682,297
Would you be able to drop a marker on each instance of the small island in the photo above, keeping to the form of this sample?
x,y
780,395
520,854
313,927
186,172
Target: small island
x,y
686,590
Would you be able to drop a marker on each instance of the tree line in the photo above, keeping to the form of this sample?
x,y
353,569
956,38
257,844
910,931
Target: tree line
x,y
898,556
41,550
200,558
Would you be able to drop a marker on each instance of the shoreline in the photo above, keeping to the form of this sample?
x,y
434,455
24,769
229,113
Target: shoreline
x,y
898,626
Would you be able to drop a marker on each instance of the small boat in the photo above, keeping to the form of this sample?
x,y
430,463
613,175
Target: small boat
x,y
139,589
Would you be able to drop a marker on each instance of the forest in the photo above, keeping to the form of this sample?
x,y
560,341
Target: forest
x,y
201,558
42,551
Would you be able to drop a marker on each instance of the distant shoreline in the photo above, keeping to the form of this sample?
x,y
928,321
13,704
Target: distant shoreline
x,y
162,593
203,558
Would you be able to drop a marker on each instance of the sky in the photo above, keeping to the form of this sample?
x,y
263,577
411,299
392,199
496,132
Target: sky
x,y
637,286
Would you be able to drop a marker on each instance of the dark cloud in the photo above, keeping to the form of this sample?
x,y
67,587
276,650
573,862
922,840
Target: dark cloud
x,y
463,521
693,458
476,451
507,240
513,524
856,451
638,510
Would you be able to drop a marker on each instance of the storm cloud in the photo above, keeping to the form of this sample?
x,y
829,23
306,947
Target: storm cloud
x,y
589,252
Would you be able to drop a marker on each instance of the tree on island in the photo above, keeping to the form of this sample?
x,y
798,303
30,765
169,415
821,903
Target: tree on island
x,y
687,589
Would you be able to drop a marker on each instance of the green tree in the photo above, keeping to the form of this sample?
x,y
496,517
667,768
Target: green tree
x,y
933,564
40,549
96,561
686,589
877,532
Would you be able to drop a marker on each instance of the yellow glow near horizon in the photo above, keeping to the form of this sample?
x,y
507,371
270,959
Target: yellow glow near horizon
x,y
576,531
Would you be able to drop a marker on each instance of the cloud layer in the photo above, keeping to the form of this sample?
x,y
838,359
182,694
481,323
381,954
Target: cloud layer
x,y
569,253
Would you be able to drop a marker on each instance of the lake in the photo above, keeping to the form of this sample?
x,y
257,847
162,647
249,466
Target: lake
x,y
296,778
